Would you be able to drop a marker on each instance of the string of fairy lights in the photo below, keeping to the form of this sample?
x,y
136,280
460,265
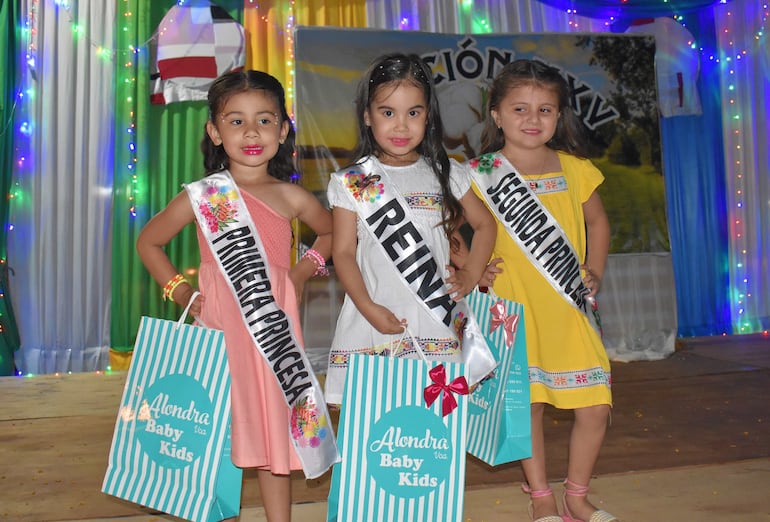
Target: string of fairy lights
x,y
744,261
732,53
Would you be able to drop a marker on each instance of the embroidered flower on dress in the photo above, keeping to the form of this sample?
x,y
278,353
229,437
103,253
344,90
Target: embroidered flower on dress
x,y
308,427
548,185
486,163
219,208
364,187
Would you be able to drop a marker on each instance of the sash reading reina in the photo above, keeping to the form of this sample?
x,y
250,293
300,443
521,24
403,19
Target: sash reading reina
x,y
233,239
534,230
388,218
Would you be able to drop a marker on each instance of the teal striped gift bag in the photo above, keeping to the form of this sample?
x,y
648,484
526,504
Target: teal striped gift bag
x,y
499,421
401,434
171,445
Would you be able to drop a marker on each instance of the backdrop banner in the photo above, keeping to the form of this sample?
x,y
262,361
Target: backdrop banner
x,y
614,92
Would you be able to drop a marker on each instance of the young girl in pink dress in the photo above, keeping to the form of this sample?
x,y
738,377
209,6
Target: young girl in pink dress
x,y
248,135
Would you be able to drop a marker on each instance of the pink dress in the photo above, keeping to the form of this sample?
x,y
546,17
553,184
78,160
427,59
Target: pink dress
x,y
260,416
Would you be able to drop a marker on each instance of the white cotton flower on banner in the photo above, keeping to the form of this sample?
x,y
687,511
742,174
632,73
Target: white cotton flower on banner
x,y
463,110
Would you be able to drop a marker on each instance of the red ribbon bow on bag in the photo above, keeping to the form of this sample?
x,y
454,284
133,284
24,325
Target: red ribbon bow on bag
x,y
439,386
501,317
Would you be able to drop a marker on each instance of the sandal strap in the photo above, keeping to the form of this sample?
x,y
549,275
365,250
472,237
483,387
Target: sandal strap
x,y
575,490
536,493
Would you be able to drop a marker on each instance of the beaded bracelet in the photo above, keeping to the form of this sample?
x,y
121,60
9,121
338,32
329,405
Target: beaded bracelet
x,y
168,288
319,261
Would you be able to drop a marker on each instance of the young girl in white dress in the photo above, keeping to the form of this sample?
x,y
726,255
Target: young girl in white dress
x,y
400,148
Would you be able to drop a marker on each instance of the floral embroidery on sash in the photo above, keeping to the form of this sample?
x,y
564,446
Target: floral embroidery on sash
x,y
219,207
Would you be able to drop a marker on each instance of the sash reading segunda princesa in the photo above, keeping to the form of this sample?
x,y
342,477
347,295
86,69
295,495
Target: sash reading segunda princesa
x,y
388,218
535,231
233,239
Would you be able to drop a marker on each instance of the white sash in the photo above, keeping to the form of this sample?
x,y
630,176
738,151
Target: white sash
x,y
233,239
534,230
388,218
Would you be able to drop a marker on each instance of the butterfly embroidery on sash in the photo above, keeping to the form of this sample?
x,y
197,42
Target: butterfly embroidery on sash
x,y
364,187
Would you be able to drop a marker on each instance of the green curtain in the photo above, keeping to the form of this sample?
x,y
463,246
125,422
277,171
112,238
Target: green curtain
x,y
166,154
9,333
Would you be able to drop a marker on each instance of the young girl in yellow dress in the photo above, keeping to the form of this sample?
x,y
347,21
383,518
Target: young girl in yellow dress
x,y
553,240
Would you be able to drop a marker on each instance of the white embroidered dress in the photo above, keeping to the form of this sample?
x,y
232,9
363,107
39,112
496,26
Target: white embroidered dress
x,y
420,188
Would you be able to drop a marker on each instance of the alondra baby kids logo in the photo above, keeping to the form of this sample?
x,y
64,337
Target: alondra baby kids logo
x,y
175,431
481,398
409,452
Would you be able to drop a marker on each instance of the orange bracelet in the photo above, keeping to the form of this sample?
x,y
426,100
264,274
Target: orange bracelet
x,y
173,283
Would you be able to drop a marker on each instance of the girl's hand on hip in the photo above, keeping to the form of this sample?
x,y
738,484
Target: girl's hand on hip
x,y
298,282
592,280
460,282
490,272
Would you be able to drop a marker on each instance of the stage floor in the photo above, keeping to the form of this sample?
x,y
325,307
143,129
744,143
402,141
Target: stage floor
x,y
690,434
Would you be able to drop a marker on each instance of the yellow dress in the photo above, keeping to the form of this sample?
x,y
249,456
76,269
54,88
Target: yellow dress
x,y
568,365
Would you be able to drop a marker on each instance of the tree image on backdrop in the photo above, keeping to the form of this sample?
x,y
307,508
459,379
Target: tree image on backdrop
x,y
614,93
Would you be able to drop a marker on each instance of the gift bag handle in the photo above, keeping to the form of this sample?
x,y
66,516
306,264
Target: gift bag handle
x,y
489,291
182,319
416,345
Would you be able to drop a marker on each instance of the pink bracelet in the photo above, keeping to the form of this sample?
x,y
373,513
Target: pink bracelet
x,y
319,261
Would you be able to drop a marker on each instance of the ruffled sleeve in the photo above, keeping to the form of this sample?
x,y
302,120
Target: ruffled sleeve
x,y
459,177
337,194
588,177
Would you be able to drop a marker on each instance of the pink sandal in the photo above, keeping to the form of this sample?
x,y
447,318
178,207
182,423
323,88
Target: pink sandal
x,y
539,493
581,491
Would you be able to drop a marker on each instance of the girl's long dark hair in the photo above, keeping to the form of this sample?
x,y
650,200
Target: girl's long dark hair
x,y
388,71
215,158
570,134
